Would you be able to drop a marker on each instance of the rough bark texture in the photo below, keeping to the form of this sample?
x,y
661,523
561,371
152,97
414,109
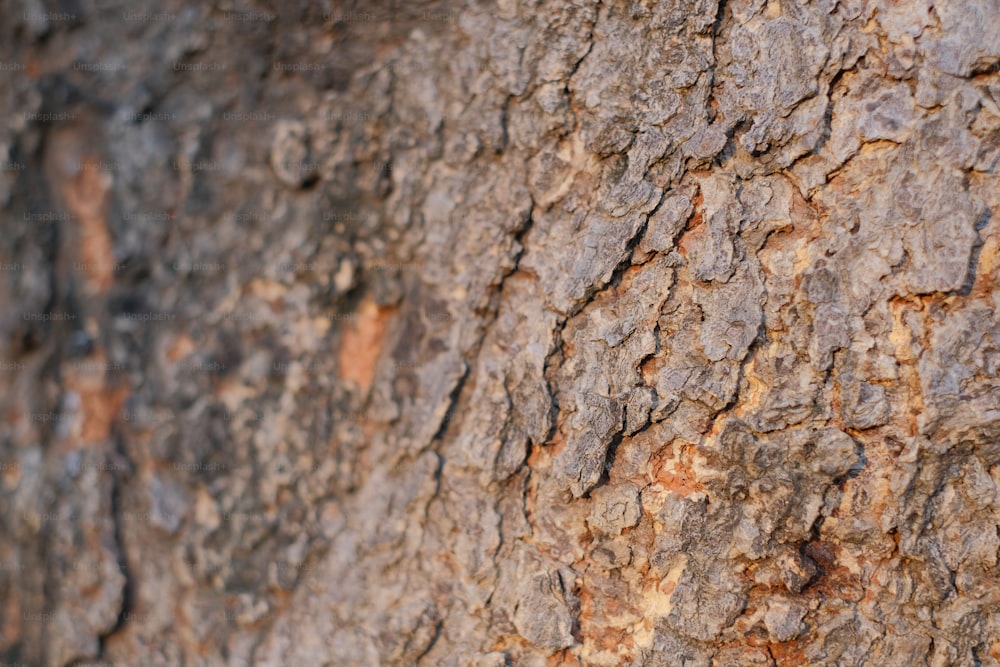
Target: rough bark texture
x,y
527,333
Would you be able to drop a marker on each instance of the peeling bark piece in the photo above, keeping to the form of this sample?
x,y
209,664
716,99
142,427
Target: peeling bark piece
x,y
940,245
969,39
868,406
615,508
582,461
665,224
797,570
783,619
732,314
542,615
703,607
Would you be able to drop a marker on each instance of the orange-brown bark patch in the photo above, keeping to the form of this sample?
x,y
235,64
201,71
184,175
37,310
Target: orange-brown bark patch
x,y
99,403
361,344
85,197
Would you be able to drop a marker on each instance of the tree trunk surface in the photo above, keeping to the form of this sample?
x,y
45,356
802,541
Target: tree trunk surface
x,y
648,333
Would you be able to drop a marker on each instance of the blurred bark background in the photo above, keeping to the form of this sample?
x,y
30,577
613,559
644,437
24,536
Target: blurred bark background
x,y
653,332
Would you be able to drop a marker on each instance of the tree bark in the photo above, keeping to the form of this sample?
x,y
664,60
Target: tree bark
x,y
516,333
